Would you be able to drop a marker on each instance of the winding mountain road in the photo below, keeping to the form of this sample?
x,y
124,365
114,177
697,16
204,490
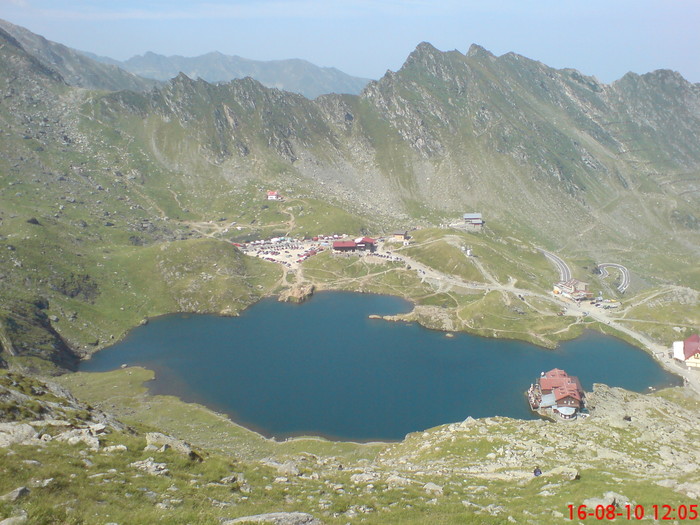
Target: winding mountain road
x,y
624,271
564,270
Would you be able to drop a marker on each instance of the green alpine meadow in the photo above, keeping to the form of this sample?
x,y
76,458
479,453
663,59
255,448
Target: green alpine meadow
x,y
124,198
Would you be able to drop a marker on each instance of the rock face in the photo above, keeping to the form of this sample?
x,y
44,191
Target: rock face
x,y
83,435
433,489
15,520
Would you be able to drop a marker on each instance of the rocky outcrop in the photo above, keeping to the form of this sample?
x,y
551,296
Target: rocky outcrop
x,y
149,466
86,436
297,293
161,442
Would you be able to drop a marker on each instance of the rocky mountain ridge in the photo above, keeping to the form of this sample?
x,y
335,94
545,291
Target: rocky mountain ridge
x,y
450,132
76,69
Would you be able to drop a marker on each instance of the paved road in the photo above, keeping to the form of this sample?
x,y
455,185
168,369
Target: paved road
x,y
624,271
564,270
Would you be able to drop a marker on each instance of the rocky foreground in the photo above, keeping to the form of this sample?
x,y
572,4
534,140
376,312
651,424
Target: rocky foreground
x,y
65,462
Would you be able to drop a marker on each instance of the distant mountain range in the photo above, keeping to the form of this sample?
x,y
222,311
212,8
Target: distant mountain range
x,y
297,76
143,72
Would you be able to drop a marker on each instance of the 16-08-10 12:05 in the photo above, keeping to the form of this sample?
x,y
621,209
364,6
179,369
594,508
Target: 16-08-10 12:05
x,y
634,512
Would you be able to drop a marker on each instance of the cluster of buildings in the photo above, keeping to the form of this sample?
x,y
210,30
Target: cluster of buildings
x,y
573,289
556,393
688,351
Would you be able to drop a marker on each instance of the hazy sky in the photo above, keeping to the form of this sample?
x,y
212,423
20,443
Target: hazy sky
x,y
605,38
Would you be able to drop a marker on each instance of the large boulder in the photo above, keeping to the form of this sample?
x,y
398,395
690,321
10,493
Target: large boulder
x,y
16,433
433,489
157,440
15,494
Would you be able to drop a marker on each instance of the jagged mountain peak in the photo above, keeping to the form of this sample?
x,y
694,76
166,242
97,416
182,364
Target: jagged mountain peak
x,y
425,53
426,47
182,78
477,51
668,77
661,80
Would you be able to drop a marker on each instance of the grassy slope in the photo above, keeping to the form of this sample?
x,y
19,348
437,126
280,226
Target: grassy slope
x,y
484,467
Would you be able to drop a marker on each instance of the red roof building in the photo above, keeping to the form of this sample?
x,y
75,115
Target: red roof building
x,y
366,244
361,244
556,378
567,396
345,245
691,346
688,351
559,391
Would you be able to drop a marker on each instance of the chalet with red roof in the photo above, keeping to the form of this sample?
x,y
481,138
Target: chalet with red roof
x,y
273,196
362,244
366,244
688,351
557,393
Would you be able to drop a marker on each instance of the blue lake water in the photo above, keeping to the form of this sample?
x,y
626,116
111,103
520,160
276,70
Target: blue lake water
x,y
324,368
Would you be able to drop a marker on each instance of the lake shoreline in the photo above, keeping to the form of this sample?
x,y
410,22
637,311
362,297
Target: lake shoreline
x,y
303,355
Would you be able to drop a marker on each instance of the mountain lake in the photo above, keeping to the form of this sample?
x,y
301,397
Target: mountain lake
x,y
324,368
